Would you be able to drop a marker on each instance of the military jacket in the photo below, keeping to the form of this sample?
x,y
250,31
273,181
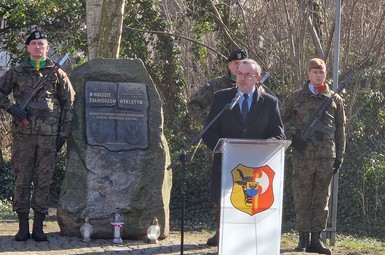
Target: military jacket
x,y
200,102
297,111
50,111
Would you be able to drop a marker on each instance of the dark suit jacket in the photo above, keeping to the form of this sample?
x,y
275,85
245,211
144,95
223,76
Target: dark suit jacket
x,y
263,122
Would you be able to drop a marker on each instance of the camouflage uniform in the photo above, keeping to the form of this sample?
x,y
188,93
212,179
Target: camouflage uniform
x,y
200,102
312,175
34,145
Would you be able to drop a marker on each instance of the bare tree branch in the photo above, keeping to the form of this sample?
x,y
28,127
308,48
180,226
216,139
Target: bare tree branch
x,y
221,24
316,40
176,35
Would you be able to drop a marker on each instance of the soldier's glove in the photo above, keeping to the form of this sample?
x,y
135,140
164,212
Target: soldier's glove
x,y
336,165
297,143
17,112
60,140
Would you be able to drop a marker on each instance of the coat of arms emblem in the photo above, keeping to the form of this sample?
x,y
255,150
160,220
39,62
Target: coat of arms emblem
x,y
252,190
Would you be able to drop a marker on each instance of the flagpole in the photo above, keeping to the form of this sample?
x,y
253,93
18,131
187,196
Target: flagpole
x,y
330,232
337,45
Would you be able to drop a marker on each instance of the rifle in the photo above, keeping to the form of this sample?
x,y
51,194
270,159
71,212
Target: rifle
x,y
40,84
316,124
264,78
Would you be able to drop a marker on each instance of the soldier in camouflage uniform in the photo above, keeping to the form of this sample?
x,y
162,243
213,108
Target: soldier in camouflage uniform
x,y
38,134
312,173
200,102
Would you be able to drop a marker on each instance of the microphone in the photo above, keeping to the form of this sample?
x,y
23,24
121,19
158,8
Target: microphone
x,y
235,100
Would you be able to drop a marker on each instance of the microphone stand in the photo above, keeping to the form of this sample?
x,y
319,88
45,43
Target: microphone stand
x,y
182,158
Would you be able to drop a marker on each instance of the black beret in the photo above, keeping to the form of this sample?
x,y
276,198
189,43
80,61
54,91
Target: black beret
x,y
238,54
38,34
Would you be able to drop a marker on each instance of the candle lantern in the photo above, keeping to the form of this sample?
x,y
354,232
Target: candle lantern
x,y
153,231
117,224
86,230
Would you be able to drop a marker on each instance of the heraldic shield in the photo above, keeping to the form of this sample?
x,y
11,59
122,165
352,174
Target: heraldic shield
x,y
252,190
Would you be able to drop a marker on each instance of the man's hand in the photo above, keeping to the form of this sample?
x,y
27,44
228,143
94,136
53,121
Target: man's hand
x,y
17,112
336,165
60,140
297,143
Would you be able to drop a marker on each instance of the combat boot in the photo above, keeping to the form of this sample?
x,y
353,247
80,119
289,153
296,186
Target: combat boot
x,y
213,241
37,230
303,242
316,245
23,233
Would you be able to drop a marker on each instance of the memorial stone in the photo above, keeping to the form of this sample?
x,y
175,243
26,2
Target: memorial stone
x,y
117,152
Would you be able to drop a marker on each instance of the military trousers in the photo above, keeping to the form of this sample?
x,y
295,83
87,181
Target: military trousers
x,y
311,191
33,164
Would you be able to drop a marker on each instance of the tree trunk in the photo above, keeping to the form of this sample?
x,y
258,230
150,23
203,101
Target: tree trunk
x,y
110,29
94,13
104,27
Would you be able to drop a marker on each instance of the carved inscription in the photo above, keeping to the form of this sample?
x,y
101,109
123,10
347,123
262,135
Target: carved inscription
x,y
116,115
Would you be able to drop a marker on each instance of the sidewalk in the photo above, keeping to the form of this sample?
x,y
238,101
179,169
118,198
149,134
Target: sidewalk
x,y
194,243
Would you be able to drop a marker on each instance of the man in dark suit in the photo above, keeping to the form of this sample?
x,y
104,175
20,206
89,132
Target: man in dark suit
x,y
256,117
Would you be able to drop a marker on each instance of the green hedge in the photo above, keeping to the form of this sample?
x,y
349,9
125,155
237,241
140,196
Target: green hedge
x,y
7,182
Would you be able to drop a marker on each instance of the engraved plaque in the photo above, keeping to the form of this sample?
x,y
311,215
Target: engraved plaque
x,y
116,115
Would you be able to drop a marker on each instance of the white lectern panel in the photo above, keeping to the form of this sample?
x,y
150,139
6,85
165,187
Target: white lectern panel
x,y
251,196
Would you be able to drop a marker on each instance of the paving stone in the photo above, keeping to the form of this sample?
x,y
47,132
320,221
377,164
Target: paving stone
x,y
194,243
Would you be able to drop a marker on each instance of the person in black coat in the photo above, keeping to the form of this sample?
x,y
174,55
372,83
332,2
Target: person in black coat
x,y
257,116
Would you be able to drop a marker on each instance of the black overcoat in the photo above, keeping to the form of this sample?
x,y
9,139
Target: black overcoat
x,y
263,122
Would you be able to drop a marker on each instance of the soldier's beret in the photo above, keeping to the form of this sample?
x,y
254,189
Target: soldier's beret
x,y
316,63
238,54
38,34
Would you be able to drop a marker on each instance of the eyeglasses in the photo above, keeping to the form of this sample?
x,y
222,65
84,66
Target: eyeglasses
x,y
246,75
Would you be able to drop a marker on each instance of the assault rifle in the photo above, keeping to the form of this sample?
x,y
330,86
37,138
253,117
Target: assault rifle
x,y
264,78
316,123
40,84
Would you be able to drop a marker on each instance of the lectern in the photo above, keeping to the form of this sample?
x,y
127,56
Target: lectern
x,y
251,196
